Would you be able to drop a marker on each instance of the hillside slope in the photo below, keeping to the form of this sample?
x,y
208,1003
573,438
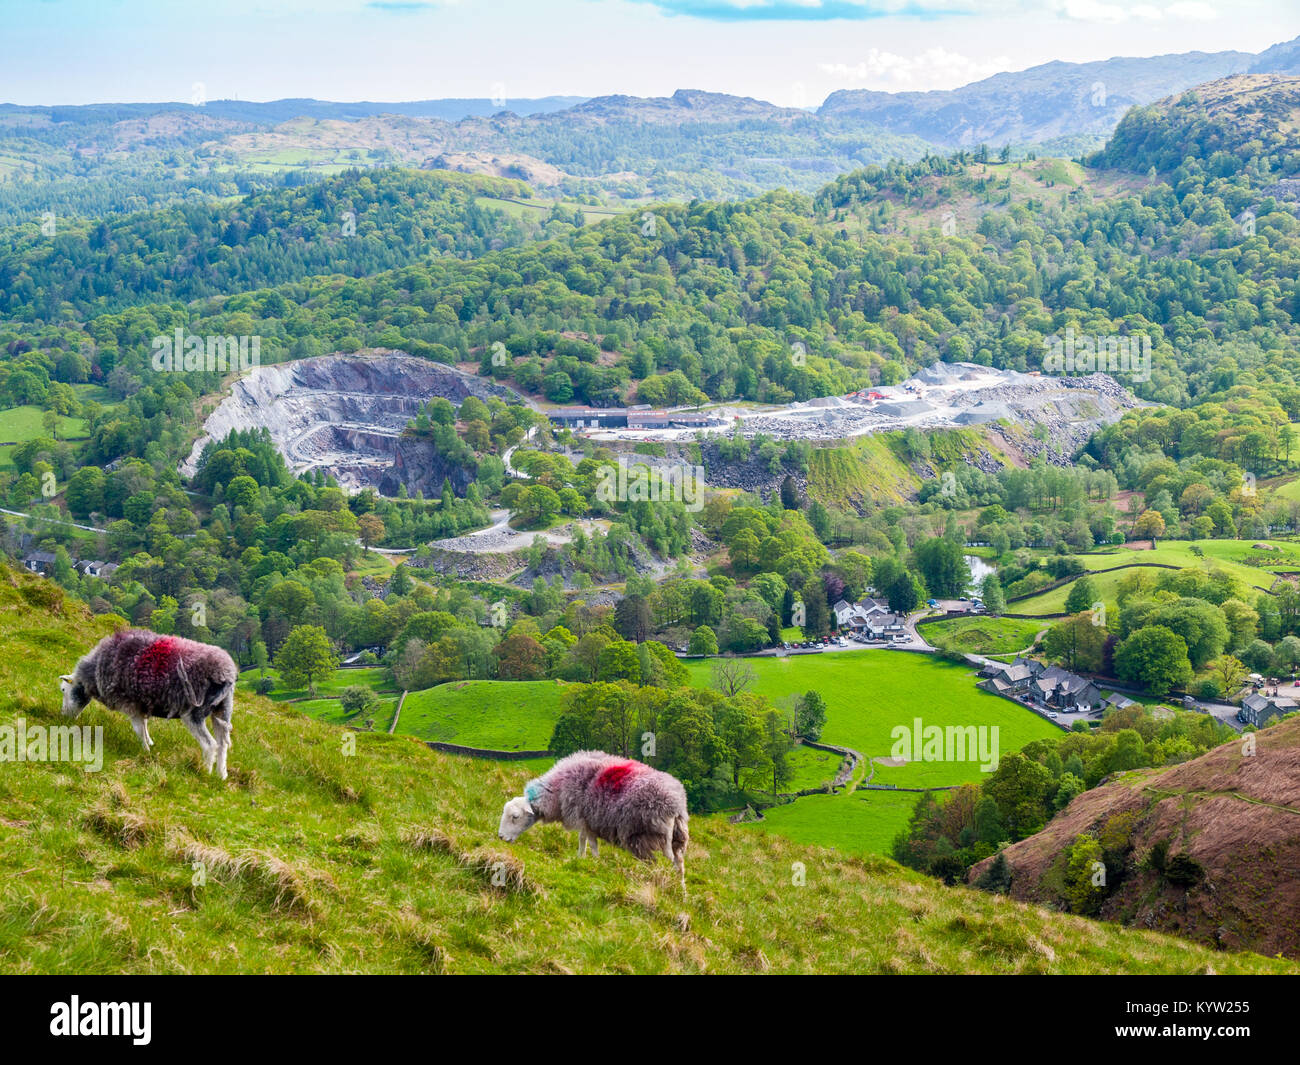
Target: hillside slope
x,y
1208,849
314,860
1251,115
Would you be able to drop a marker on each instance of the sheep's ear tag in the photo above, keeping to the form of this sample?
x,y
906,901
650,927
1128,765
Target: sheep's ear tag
x,y
530,794
66,676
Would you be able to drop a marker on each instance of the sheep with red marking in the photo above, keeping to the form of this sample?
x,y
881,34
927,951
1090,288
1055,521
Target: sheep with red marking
x,y
601,796
143,674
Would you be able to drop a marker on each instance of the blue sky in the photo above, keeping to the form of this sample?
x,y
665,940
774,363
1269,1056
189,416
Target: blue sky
x,y
792,52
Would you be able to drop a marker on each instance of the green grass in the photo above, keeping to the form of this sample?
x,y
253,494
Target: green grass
x,y
20,424
373,677
498,715
1224,554
373,564
383,860
331,712
868,694
983,635
812,768
864,822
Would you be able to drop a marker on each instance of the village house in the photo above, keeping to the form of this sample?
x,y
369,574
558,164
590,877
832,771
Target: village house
x,y
1258,709
1051,686
41,562
1062,690
1013,679
93,567
869,617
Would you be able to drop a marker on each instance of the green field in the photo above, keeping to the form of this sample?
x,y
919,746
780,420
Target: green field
x,y
869,693
499,715
372,677
331,712
864,822
984,635
539,210
20,424
1224,554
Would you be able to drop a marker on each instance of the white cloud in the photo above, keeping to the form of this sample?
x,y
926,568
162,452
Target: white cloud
x,y
935,68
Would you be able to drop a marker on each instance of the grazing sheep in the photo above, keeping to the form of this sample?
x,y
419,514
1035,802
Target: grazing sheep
x,y
604,797
146,675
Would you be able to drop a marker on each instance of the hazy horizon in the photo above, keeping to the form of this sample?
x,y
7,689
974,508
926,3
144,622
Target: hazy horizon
x,y
788,52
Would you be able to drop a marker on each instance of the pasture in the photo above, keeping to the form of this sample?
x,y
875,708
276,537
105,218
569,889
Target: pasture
x,y
1229,555
983,635
868,694
497,714
373,677
20,424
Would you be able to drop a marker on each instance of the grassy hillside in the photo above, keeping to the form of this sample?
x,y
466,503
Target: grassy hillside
x,y
1229,555
496,714
872,470
316,860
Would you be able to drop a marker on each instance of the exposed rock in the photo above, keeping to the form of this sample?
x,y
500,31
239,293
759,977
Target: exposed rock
x,y
341,413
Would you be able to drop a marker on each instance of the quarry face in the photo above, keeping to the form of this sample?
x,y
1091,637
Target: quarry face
x,y
340,413
344,414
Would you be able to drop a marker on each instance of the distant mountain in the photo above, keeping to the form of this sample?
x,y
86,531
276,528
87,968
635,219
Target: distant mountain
x,y
685,105
1051,101
273,112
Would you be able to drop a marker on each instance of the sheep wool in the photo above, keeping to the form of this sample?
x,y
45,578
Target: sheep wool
x,y
603,797
144,674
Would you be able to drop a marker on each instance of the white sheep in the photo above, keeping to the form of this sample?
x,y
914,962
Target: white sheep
x,y
600,796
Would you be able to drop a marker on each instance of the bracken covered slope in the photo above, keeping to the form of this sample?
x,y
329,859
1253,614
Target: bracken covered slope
x,y
1209,849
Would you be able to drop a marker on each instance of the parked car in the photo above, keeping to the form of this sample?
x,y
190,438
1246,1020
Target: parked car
x,y
1053,715
932,602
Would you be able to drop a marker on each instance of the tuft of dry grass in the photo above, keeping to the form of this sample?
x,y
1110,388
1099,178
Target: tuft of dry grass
x,y
287,886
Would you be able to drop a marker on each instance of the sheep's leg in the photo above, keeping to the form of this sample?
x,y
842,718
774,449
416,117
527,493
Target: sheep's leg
x,y
199,730
221,730
140,723
582,840
595,846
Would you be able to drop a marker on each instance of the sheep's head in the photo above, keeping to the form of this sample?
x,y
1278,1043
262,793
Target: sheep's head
x,y
517,817
74,696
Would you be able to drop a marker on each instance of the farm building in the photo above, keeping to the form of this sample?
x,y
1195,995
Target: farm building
x,y
1258,709
41,562
589,417
1051,686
